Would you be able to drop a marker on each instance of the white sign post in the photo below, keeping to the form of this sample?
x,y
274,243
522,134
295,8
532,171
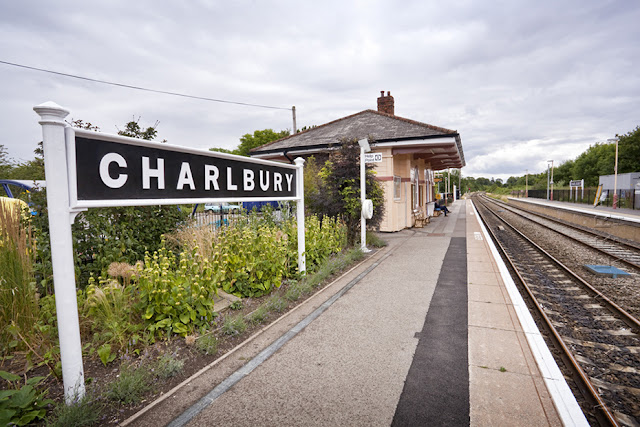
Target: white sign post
x,y
60,219
87,169
576,184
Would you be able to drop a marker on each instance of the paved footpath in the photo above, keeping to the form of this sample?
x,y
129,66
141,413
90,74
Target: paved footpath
x,y
390,348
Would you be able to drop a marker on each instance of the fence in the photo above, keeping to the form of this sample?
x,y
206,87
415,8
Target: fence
x,y
216,220
626,198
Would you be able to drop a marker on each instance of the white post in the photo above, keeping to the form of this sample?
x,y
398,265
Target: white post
x,y
302,260
60,220
364,147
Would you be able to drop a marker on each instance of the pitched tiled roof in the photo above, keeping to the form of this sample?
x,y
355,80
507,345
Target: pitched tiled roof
x,y
365,124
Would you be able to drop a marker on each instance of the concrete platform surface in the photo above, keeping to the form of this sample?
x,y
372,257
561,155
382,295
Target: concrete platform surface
x,y
423,332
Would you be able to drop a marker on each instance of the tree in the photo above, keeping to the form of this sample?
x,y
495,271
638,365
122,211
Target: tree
x,y
597,160
258,139
629,152
335,189
5,162
133,130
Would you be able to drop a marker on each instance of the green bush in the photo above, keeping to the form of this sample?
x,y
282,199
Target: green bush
x,y
176,296
252,260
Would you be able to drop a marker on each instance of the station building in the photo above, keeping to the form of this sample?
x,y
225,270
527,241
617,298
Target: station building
x,y
406,153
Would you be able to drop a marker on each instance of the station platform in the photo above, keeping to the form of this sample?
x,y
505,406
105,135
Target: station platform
x,y
632,215
426,331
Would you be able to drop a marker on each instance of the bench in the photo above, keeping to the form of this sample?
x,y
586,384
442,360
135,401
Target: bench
x,y
420,218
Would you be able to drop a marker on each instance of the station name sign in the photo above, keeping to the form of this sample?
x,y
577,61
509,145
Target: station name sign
x,y
142,172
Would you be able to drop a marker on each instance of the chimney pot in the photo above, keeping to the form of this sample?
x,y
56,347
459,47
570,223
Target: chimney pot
x,y
385,103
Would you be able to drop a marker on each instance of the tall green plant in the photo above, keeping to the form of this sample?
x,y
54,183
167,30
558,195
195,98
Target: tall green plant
x,y
18,300
176,296
252,260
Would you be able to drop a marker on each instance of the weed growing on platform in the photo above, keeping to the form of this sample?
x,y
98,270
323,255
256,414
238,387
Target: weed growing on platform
x,y
375,241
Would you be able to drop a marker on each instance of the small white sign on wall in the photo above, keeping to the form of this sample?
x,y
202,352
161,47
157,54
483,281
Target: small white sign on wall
x,y
373,157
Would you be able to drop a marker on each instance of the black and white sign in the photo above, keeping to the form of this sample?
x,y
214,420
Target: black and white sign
x,y
373,157
111,170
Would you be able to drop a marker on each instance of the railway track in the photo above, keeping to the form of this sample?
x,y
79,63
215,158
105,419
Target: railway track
x,y
599,340
624,251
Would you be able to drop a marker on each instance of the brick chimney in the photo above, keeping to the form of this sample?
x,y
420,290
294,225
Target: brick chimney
x,y
385,103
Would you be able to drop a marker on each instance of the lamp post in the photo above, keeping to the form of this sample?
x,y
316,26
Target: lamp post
x,y
547,180
526,184
551,181
615,174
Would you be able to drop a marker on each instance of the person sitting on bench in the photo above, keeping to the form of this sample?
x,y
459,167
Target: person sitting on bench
x,y
441,207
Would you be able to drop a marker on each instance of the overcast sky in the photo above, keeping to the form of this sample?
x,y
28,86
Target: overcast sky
x,y
523,82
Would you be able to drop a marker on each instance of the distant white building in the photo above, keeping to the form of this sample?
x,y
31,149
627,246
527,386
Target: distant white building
x,y
628,186
626,181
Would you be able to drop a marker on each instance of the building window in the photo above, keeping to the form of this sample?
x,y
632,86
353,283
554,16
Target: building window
x,y
413,194
397,188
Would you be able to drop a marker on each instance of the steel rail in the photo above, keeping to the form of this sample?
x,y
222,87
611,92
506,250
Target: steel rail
x,y
628,318
601,406
613,239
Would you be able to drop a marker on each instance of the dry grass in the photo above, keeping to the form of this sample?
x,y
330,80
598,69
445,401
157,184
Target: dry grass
x,y
188,238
